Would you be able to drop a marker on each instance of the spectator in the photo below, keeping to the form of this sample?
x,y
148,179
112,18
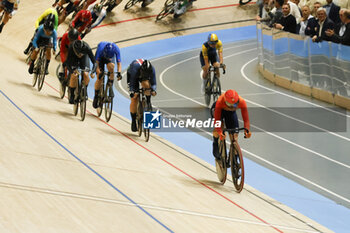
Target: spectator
x,y
306,16
332,11
296,2
315,8
344,38
273,15
323,24
287,22
294,10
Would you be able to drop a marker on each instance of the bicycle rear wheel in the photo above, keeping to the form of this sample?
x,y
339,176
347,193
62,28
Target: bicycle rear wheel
x,y
130,3
216,89
108,103
221,168
207,93
237,166
83,97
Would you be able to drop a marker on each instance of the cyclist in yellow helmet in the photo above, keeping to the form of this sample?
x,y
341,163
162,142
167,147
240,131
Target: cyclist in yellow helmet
x,y
209,54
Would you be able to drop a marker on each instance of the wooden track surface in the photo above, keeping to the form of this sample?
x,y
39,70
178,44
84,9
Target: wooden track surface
x,y
58,174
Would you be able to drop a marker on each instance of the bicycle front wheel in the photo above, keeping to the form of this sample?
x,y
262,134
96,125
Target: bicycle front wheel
x,y
130,3
145,131
164,12
41,71
83,97
237,166
139,118
243,2
221,168
207,93
108,103
100,101
216,89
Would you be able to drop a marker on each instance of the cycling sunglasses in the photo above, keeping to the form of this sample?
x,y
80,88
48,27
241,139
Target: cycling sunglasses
x,y
234,105
213,42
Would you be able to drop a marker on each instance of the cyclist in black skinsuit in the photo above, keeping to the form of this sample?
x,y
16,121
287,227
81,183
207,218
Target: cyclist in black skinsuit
x,y
78,57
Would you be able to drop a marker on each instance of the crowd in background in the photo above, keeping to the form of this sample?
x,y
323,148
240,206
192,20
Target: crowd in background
x,y
320,20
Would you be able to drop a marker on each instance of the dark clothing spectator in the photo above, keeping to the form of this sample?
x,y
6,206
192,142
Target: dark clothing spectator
x,y
333,12
345,38
289,23
311,27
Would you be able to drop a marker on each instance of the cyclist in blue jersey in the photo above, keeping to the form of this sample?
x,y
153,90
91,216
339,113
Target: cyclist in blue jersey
x,y
140,71
46,32
107,53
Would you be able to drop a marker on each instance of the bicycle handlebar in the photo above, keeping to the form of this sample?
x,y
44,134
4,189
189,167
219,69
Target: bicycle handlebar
x,y
212,68
236,130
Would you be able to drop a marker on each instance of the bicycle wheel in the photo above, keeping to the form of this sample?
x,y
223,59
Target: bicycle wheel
x,y
29,55
145,131
130,3
243,2
207,93
108,102
139,118
169,3
165,12
221,168
41,69
76,99
216,89
237,166
100,100
83,97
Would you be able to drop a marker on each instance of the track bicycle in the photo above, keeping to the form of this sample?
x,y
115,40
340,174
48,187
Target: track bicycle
x,y
142,106
131,3
80,93
234,160
243,2
212,85
105,97
40,68
168,8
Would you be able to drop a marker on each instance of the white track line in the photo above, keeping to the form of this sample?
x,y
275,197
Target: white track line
x,y
260,158
281,93
152,207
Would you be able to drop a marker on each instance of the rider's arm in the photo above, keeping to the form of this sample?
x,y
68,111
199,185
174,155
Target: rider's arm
x,y
205,55
244,111
220,48
54,39
38,34
99,51
100,18
64,47
85,25
217,116
153,80
76,18
56,20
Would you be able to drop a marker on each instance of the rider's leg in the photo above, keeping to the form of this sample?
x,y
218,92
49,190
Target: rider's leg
x,y
98,83
146,85
4,21
216,144
133,110
32,60
72,86
48,58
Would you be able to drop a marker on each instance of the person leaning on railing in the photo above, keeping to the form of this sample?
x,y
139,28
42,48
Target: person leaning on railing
x,y
273,15
318,29
344,38
287,22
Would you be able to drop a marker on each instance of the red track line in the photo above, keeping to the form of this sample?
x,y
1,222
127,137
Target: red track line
x,y
152,16
182,171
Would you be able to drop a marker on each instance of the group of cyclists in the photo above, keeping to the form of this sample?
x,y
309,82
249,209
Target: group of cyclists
x,y
76,53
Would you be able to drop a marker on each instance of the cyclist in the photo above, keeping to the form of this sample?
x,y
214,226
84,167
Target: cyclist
x,y
140,71
181,7
225,111
209,54
10,7
46,32
81,21
67,38
78,57
105,54
98,13
48,15
68,9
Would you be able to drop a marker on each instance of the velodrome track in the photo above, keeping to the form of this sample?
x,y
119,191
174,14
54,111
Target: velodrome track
x,y
62,175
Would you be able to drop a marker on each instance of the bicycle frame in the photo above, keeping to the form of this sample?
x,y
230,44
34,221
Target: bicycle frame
x,y
213,86
141,105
